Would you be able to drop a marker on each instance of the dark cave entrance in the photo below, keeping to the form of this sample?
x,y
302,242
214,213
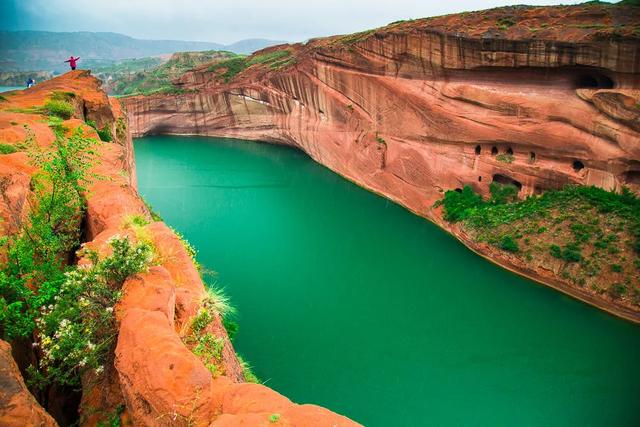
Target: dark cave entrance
x,y
595,81
506,180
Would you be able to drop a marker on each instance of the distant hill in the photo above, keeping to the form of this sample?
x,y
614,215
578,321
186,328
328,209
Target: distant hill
x,y
42,50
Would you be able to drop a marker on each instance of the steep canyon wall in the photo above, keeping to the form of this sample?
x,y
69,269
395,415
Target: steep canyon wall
x,y
417,108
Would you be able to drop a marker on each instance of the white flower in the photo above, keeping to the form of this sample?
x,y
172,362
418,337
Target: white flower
x,y
109,309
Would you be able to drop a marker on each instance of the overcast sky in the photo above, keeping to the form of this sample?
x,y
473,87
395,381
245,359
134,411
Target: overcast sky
x,y
226,21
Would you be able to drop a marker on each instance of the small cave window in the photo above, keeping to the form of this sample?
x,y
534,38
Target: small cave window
x,y
458,190
494,150
479,179
577,165
594,80
478,150
532,157
509,151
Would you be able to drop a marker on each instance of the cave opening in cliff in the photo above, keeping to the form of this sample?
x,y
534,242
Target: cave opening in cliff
x,y
632,177
595,80
494,150
577,165
510,151
478,150
532,157
479,179
506,180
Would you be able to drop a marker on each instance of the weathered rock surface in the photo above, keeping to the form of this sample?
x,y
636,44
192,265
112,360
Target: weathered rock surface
x,y
18,407
537,96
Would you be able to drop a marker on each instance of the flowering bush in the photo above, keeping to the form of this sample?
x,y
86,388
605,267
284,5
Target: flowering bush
x,y
78,329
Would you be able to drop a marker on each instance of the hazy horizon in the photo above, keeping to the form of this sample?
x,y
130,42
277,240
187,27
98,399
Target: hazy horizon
x,y
195,20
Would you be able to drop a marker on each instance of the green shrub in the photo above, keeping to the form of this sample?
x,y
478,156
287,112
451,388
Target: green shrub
x,y
505,158
105,134
61,109
78,329
458,205
508,244
7,148
505,23
616,268
556,251
503,193
617,290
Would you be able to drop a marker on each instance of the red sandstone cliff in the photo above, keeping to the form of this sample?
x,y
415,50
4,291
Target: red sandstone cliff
x,y
420,107
155,377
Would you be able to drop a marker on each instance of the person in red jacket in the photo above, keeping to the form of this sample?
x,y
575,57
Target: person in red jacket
x,y
72,62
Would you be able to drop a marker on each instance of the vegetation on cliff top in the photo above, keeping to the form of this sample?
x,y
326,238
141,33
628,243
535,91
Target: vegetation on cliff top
x,y
588,236
275,60
128,79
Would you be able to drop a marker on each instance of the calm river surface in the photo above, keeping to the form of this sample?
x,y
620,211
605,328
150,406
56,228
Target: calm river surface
x,y
349,301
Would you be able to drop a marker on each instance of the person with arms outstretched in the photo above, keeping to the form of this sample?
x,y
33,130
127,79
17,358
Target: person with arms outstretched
x,y
73,62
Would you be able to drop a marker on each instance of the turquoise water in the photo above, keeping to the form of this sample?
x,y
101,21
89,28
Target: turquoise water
x,y
349,301
10,88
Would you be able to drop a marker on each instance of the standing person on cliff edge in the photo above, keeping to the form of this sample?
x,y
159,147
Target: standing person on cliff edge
x,y
73,62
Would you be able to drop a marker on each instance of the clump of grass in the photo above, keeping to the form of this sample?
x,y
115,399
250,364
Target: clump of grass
x,y
154,214
505,23
61,109
274,418
247,372
59,95
505,158
7,148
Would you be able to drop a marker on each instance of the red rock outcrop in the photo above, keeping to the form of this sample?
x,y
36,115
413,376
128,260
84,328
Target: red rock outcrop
x,y
538,96
154,378
18,407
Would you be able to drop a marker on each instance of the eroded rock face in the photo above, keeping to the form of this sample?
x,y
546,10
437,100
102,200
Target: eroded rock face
x,y
540,97
18,407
